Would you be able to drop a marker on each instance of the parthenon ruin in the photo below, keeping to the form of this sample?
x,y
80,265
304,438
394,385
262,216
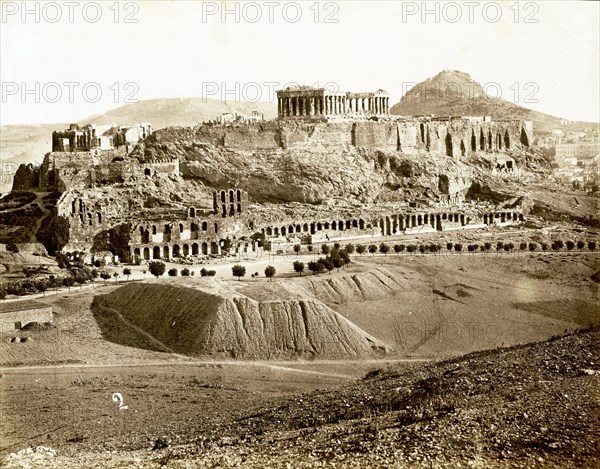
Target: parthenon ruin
x,y
306,101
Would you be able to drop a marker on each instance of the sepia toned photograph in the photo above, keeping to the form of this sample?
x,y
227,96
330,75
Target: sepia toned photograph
x,y
299,234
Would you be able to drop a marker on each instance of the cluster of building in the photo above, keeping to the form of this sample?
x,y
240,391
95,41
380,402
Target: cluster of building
x,y
98,137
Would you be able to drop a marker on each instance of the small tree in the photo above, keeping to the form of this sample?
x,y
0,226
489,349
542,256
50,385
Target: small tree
x,y
349,248
398,248
116,276
411,248
591,245
499,246
523,246
238,271
544,246
532,246
172,272
433,248
270,272
157,268
570,245
310,248
472,248
337,262
299,267
203,272
325,249
327,263
458,247
487,246
384,248
185,272
373,249
422,249
127,272
580,245
211,273
557,245
105,276
297,248
314,267
449,246
361,249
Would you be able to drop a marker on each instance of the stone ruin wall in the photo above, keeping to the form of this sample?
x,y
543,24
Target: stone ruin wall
x,y
452,137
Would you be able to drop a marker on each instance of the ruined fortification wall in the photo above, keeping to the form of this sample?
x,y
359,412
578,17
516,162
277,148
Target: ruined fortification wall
x,y
375,135
26,178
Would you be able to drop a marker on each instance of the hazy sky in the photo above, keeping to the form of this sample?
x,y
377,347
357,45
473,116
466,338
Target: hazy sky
x,y
529,51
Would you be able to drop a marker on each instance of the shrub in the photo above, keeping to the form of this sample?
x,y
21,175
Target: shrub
x,y
557,245
12,247
570,245
544,246
384,248
349,248
310,248
532,246
238,271
411,248
361,249
487,246
373,249
185,272
203,272
211,273
270,272
449,246
68,282
591,245
325,249
458,247
422,248
298,267
580,245
499,246
297,248
523,246
398,248
156,268
172,272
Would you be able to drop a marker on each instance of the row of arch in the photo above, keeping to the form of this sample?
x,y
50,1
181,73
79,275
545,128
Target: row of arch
x,y
392,224
167,230
175,251
314,227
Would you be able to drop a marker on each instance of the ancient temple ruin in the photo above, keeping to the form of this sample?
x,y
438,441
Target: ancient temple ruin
x,y
305,101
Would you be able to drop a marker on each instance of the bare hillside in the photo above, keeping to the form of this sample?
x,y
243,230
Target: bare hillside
x,y
192,321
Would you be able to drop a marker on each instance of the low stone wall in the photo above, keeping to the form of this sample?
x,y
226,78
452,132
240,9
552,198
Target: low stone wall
x,y
15,315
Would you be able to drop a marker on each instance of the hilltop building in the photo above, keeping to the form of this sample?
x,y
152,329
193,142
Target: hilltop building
x,y
101,137
306,101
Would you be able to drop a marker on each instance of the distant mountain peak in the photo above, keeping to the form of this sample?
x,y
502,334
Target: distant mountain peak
x,y
455,93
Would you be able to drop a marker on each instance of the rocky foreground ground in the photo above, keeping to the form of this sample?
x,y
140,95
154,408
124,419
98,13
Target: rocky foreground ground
x,y
528,406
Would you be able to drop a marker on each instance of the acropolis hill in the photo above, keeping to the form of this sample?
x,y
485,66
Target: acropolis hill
x,y
332,166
